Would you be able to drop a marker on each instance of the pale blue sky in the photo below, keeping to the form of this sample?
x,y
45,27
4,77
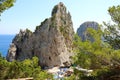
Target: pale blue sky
x,y
30,13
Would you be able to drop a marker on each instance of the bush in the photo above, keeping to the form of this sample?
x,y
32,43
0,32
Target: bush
x,y
23,69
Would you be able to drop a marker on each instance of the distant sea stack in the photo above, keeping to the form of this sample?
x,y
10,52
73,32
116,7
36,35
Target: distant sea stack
x,y
81,31
51,42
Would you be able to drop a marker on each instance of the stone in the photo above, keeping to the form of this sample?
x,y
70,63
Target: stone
x,y
12,53
51,42
81,31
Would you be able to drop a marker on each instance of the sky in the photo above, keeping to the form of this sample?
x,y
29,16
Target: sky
x,y
30,13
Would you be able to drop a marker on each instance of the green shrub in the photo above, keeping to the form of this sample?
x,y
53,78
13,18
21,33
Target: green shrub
x,y
23,69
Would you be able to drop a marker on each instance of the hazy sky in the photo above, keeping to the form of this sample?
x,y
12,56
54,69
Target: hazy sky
x,y
30,13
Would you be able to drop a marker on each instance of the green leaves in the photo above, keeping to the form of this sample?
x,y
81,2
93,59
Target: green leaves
x,y
6,4
115,13
112,32
23,69
92,54
97,55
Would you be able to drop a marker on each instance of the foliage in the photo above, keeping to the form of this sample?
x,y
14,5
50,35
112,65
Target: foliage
x,y
26,68
54,10
112,32
114,12
3,67
102,57
108,73
61,29
42,23
53,22
42,76
5,4
28,31
96,55
91,54
72,77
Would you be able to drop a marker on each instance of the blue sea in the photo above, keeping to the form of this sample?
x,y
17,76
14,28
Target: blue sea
x,y
5,41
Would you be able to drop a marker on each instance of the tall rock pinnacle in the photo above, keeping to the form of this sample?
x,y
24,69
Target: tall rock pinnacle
x,y
51,42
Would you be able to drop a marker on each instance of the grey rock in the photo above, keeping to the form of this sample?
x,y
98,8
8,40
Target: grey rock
x,y
12,53
51,42
82,30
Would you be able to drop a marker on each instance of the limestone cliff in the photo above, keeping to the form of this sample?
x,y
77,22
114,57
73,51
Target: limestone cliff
x,y
81,31
51,42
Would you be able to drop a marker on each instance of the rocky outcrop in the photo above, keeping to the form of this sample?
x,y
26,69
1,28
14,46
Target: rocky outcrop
x,y
82,30
12,52
51,42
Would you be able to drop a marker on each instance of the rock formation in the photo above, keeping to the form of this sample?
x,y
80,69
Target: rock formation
x,y
12,52
51,42
81,31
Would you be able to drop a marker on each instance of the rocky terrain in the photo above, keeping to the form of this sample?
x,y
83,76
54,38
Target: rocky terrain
x,y
82,30
51,42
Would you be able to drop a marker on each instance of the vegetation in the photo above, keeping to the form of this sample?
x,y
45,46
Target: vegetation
x,y
53,21
91,54
28,31
26,68
112,32
98,56
42,23
54,10
5,4
103,57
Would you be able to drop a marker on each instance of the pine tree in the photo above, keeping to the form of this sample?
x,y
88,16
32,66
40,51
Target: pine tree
x,y
112,32
5,4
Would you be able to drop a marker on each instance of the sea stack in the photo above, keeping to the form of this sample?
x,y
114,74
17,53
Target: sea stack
x,y
82,30
51,42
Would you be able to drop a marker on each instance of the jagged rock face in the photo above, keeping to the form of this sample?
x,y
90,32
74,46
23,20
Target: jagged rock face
x,y
51,42
82,30
12,52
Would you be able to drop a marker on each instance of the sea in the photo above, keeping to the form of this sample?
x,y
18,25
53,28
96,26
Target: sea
x,y
5,41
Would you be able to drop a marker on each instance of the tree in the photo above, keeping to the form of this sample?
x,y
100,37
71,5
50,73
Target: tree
x,y
5,4
91,54
112,32
98,56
